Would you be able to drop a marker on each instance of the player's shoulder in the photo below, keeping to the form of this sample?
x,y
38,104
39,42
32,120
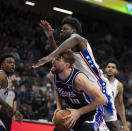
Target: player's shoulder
x,y
80,77
119,83
2,74
120,86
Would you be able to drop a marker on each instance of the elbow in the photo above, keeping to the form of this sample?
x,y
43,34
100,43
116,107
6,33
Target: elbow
x,y
78,38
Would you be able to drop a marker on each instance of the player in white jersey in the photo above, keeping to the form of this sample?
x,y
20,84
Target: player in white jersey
x,y
71,28
7,66
111,70
11,98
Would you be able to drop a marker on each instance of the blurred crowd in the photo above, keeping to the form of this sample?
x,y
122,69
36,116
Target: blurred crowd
x,y
22,36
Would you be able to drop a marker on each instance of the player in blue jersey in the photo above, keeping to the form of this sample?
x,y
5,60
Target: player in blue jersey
x,y
81,96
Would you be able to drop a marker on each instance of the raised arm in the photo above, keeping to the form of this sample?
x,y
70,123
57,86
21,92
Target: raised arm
x,y
48,30
120,106
67,44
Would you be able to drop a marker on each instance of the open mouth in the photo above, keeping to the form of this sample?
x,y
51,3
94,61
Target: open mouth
x,y
12,69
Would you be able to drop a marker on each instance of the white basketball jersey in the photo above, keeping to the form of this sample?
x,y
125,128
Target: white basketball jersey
x,y
85,62
114,92
114,88
4,90
10,97
107,117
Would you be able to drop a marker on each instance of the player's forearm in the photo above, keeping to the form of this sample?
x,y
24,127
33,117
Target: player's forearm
x,y
121,110
14,106
67,44
52,43
58,101
92,106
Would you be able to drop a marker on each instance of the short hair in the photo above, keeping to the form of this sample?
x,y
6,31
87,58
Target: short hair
x,y
4,56
68,57
112,60
74,23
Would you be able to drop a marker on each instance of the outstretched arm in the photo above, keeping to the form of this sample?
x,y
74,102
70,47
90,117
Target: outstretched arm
x,y
120,106
67,44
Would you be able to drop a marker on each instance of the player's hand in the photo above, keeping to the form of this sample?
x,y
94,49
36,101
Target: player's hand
x,y
13,118
48,30
19,116
54,114
42,61
126,128
72,118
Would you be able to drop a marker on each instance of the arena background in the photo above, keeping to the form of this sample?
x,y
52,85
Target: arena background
x,y
108,31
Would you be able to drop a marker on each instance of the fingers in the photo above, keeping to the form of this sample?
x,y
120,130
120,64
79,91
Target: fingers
x,y
37,65
71,122
57,110
44,24
66,117
19,117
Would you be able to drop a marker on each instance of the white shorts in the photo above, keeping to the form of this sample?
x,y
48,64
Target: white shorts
x,y
108,117
103,127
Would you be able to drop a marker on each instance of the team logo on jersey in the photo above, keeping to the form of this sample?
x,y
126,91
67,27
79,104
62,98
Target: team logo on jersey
x,y
64,93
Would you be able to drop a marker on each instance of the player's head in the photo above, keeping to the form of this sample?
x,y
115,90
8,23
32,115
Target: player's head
x,y
70,26
111,67
62,62
7,63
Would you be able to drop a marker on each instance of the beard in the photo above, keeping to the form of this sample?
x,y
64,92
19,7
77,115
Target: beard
x,y
64,37
54,70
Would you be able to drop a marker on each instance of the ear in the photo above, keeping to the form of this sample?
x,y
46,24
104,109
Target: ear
x,y
74,31
67,65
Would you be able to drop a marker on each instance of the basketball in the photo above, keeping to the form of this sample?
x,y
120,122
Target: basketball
x,y
59,121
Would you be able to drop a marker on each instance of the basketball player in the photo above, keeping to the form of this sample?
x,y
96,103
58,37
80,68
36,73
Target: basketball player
x,y
85,62
7,64
79,93
11,98
111,70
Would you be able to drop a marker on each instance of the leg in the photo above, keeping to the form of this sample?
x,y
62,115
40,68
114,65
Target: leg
x,y
113,125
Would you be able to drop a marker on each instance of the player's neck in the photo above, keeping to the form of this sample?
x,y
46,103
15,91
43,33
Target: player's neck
x,y
111,78
65,74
